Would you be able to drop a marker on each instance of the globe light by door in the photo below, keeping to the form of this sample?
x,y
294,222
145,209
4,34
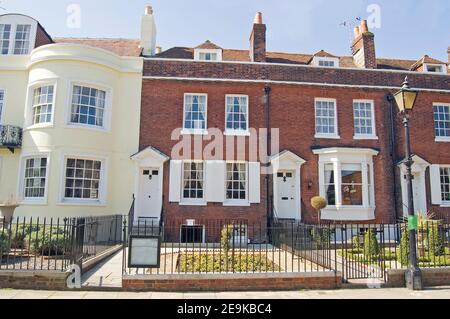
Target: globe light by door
x,y
406,97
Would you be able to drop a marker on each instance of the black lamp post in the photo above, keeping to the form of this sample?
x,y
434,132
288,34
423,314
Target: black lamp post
x,y
405,99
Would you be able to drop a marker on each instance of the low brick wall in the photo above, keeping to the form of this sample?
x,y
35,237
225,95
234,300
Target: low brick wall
x,y
233,282
431,277
42,280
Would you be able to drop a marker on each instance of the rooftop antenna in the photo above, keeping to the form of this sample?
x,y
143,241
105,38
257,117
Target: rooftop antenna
x,y
350,25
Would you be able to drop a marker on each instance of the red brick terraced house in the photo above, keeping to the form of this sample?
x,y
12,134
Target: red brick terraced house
x,y
340,135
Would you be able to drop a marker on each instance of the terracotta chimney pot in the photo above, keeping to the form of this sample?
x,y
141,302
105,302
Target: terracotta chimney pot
x,y
258,18
356,31
148,10
364,28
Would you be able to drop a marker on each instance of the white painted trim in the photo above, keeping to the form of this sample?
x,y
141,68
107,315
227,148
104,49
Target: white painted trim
x,y
375,87
442,66
107,111
52,81
186,131
334,135
233,132
20,185
216,51
372,136
237,202
103,183
317,59
2,110
195,201
293,65
14,20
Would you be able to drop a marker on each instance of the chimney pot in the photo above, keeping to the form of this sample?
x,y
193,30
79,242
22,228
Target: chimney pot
x,y
364,28
258,18
148,10
158,50
356,31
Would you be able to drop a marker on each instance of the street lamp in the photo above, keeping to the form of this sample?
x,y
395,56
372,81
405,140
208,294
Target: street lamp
x,y
405,99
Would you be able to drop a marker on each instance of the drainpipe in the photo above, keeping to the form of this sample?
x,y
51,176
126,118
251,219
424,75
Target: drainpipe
x,y
393,152
267,90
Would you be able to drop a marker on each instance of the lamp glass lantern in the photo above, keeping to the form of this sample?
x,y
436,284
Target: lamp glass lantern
x,y
406,97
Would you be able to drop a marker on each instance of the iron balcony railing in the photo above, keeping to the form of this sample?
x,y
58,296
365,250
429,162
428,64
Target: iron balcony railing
x,y
10,136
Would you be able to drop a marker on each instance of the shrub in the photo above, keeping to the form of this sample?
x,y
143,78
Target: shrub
x,y
321,236
20,235
434,243
4,243
51,242
318,203
371,246
356,243
225,236
403,249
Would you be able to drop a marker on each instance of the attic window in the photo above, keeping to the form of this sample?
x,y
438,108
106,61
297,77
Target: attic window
x,y
435,68
326,62
208,55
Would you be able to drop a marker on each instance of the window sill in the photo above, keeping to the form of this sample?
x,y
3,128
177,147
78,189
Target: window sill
x,y
34,202
236,204
324,136
193,132
442,139
365,137
236,133
81,203
348,213
192,203
87,127
39,126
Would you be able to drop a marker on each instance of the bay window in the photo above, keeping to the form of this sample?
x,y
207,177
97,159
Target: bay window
x,y
5,33
345,180
43,104
88,106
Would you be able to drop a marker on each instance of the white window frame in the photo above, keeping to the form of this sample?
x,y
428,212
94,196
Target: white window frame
x,y
193,201
337,157
189,131
443,68
14,20
334,135
444,203
107,112
2,108
103,183
316,62
21,184
198,52
238,132
6,39
30,96
237,202
444,139
372,136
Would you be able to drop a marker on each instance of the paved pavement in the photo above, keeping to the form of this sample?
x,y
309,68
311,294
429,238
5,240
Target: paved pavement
x,y
435,293
108,273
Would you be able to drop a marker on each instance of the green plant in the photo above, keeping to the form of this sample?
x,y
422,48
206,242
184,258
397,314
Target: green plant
x,y
4,243
403,249
371,246
225,236
51,242
356,243
20,235
434,241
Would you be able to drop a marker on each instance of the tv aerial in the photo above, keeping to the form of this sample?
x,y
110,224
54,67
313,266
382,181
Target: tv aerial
x,y
350,25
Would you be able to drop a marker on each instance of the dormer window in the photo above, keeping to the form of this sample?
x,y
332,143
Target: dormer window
x,y
17,34
208,55
435,68
325,62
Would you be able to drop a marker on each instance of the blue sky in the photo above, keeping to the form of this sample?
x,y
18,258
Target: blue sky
x,y
409,28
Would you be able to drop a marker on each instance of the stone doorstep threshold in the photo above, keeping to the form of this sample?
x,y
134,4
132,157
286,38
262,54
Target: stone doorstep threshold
x,y
321,274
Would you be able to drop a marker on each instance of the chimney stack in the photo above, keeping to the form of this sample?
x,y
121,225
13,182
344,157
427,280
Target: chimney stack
x,y
258,40
148,33
448,52
363,47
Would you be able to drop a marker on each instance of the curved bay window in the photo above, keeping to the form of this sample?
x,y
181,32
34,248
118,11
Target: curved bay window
x,y
345,180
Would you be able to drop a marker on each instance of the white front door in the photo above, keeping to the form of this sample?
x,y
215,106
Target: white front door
x,y
419,193
149,194
286,195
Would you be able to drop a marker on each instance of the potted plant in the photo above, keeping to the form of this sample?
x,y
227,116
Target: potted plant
x,y
7,209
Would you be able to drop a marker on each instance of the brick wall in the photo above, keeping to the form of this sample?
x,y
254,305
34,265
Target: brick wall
x,y
236,282
432,277
40,280
292,111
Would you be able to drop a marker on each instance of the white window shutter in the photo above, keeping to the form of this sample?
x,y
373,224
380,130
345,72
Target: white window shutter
x,y
435,181
215,181
175,181
254,176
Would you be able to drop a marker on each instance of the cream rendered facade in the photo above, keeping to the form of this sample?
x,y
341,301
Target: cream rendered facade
x,y
63,66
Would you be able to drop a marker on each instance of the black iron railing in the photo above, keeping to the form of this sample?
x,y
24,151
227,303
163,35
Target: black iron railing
x,y
10,136
56,243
